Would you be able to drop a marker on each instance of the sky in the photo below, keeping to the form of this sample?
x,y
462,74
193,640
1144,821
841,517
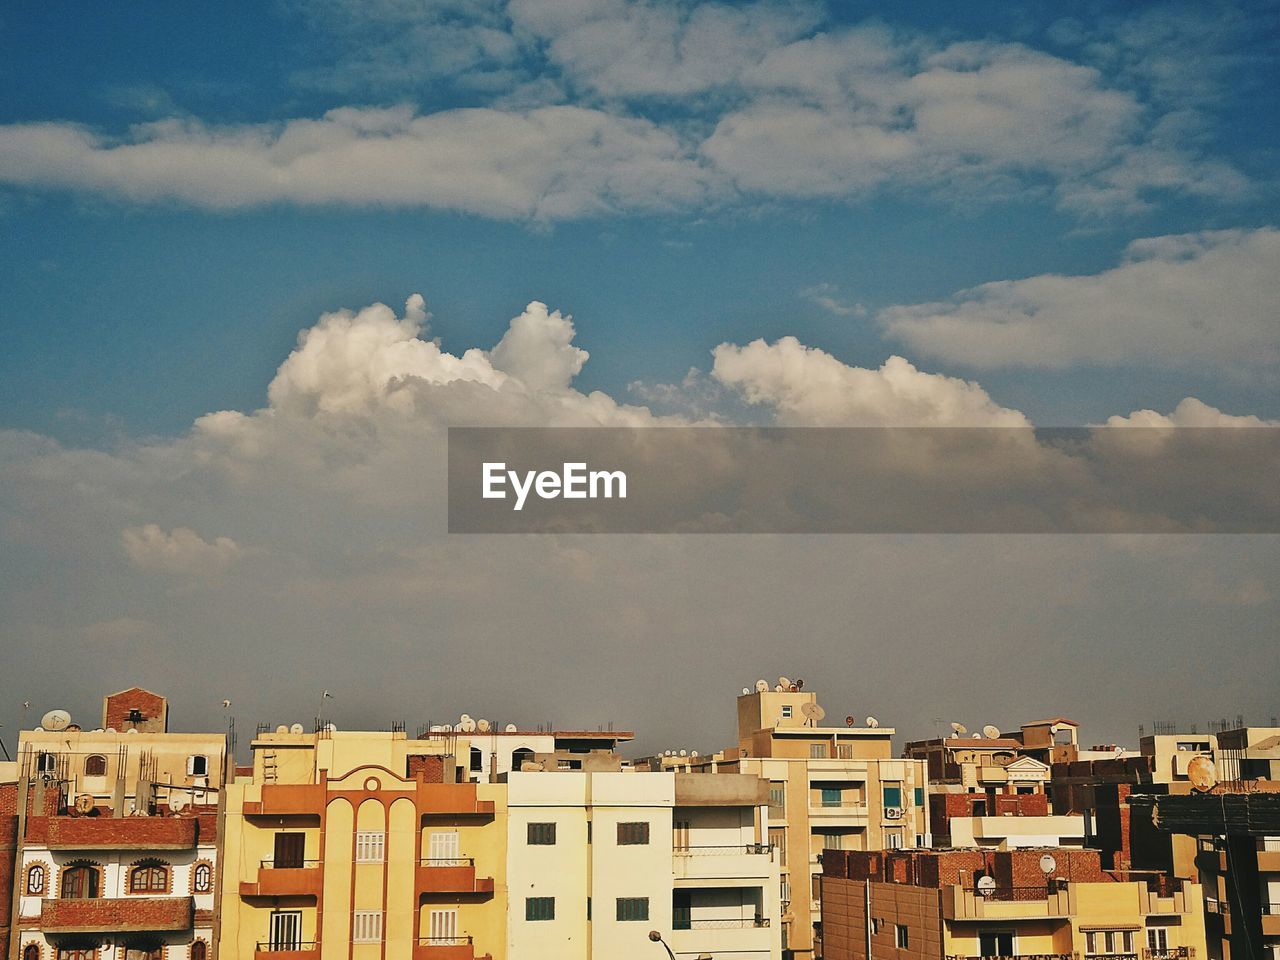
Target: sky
x,y
258,257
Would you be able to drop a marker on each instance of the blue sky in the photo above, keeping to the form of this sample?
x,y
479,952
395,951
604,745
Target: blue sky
x,y
1050,214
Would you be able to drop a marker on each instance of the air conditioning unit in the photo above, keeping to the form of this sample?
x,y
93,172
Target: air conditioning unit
x,y
893,813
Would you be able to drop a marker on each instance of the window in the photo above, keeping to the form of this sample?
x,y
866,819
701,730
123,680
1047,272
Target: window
x,y
1108,942
202,878
919,797
832,797
95,766
290,849
893,839
31,951
542,834
143,950
370,846
815,887
817,751
77,953
79,882
150,877
901,939
443,849
539,908
844,751
46,762
477,760
786,711
995,943
366,926
1158,940
286,930
519,756
630,834
875,926
197,766
778,797
832,840
35,880
199,950
892,795
443,927
633,908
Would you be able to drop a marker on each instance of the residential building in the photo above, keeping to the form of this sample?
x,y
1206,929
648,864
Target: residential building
x,y
835,787
1049,903
116,837
598,860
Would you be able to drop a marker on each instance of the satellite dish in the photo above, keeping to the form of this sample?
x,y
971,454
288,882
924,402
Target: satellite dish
x,y
959,729
84,804
977,736
872,722
762,686
1201,773
296,728
511,728
991,731
986,885
1048,864
784,683
799,684
693,754
745,691
848,721
467,725
1119,751
684,753
779,688
330,728
282,729
177,802
483,725
812,711
56,720
132,730
465,716
111,730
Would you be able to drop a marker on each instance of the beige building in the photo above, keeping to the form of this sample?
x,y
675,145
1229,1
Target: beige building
x,y
831,787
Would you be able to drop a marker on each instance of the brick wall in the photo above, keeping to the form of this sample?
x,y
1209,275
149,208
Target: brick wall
x,y
102,832
152,706
935,869
427,766
844,920
128,914
8,856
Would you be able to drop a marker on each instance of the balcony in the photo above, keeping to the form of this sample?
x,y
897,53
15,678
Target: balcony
x,y
124,915
1270,919
304,879
1032,956
1168,896
849,814
722,936
1170,953
456,875
287,799
446,948
1006,903
299,950
122,833
1269,861
715,863
452,800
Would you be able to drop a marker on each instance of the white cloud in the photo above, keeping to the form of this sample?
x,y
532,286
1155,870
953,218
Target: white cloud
x,y
826,296
805,386
1203,301
180,551
548,163
1189,412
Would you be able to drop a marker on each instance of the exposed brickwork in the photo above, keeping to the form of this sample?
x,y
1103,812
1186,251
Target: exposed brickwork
x,y
945,806
8,855
154,711
105,832
427,767
130,914
938,868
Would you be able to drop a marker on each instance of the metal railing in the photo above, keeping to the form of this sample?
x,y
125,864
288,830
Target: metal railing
x,y
727,923
462,940
721,850
287,946
1168,953
1006,894
1219,907
1020,956
448,861
290,864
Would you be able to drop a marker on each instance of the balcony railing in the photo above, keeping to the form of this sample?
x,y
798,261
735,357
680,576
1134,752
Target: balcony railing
x,y
722,850
1020,956
291,946
1219,907
451,875
726,923
1169,953
1020,894
285,878
460,941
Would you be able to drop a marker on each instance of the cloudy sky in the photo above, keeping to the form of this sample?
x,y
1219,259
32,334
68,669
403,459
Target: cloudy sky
x,y
258,257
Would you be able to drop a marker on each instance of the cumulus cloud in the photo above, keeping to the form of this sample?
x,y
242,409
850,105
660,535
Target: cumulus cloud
x,y
179,551
805,386
1189,412
1204,301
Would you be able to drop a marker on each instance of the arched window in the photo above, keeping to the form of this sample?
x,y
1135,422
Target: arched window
x,y
143,950
36,880
519,756
80,882
199,951
202,878
31,951
95,766
149,877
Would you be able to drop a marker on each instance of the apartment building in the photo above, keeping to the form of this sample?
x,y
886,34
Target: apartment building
x,y
1050,903
365,846
831,787
599,860
115,837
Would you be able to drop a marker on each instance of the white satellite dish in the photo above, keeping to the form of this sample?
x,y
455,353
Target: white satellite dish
x,y
465,716
762,686
1119,751
872,722
986,885
959,729
991,731
296,728
483,725
56,720
977,736
177,802
693,754
784,683
684,753
1048,864
467,725
282,729
446,728
811,711
745,691
330,728
111,730
511,728
132,730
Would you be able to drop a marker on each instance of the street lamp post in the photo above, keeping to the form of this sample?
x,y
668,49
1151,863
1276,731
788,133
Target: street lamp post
x,y
656,937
